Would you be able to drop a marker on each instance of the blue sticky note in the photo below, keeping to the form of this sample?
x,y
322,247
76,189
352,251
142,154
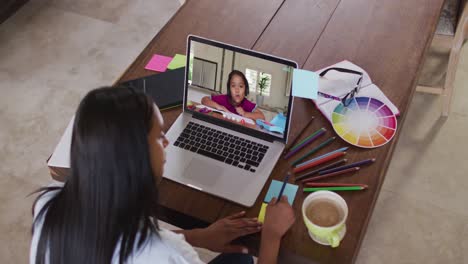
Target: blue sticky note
x,y
305,84
275,187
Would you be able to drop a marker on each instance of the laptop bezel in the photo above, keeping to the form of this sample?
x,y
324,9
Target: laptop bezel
x,y
227,124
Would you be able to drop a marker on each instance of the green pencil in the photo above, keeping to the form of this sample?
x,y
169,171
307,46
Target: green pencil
x,y
307,138
347,188
317,148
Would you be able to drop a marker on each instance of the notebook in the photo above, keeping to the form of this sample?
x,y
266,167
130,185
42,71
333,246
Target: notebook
x,y
166,89
339,84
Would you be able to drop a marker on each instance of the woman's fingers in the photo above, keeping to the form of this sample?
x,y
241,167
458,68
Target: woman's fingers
x,y
245,222
248,231
235,249
236,215
273,200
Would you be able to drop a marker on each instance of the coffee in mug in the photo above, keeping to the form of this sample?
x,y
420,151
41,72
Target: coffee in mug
x,y
324,215
324,212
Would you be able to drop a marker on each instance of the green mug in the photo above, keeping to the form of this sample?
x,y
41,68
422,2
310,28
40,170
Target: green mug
x,y
326,235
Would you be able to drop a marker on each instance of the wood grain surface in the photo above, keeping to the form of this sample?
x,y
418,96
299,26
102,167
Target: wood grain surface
x,y
388,39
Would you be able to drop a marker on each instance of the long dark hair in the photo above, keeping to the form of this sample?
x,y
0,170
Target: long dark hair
x,y
110,195
240,74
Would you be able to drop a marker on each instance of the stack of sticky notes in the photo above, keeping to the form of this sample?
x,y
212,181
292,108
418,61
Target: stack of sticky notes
x,y
274,190
160,63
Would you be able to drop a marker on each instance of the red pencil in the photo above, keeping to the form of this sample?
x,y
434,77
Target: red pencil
x,y
354,169
318,162
325,184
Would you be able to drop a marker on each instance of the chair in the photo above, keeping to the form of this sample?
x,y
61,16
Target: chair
x,y
453,42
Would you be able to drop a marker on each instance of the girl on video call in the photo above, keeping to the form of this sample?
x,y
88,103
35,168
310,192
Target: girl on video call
x,y
235,100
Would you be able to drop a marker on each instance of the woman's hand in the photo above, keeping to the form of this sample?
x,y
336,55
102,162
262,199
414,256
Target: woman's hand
x,y
240,111
219,235
279,217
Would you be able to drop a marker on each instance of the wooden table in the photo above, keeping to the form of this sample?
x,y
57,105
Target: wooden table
x,y
388,39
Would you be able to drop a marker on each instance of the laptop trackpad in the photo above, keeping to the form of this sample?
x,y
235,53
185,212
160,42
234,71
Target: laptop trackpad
x,y
203,173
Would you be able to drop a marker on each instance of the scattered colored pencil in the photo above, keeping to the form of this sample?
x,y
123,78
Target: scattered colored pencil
x,y
309,140
285,181
329,184
323,156
336,173
355,164
346,188
326,167
317,148
318,162
298,136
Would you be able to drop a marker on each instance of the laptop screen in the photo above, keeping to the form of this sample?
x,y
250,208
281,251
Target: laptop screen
x,y
238,87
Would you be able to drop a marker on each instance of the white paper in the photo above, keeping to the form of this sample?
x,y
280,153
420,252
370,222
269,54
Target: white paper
x,y
228,115
61,156
339,84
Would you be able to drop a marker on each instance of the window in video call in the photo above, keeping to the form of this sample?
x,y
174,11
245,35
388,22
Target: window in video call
x,y
239,88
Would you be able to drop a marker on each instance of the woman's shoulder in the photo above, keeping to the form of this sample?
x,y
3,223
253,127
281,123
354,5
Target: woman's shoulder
x,y
45,195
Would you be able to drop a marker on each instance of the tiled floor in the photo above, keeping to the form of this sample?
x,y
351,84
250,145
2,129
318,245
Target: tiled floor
x,y
53,51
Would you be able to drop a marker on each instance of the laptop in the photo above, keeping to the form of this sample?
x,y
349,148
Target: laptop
x,y
230,134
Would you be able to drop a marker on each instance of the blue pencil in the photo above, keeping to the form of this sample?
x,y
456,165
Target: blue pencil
x,y
285,181
344,167
322,156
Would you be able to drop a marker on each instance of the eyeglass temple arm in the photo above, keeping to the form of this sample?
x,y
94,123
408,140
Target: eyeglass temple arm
x,y
340,70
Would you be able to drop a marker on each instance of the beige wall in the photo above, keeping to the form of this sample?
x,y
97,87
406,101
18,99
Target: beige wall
x,y
210,53
279,77
279,82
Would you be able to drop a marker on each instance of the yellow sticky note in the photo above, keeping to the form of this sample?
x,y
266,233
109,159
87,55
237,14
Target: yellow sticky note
x,y
177,62
261,215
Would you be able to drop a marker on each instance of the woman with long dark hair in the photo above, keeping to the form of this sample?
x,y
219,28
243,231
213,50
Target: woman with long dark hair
x,y
106,211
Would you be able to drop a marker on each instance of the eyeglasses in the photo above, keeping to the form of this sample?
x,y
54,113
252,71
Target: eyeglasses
x,y
348,98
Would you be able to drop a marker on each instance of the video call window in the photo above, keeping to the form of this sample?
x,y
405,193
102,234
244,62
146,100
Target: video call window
x,y
243,89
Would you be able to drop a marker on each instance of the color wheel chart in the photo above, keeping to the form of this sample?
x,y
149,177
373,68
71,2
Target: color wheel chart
x,y
365,122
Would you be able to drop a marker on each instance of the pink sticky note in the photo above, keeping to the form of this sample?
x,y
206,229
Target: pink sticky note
x,y
158,63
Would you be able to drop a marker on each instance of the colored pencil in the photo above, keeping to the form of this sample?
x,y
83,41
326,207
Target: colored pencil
x,y
328,184
346,188
318,162
317,148
309,140
355,164
285,181
299,136
336,173
326,167
322,156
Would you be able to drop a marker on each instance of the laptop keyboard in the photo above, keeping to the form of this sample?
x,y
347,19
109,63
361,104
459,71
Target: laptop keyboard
x,y
221,146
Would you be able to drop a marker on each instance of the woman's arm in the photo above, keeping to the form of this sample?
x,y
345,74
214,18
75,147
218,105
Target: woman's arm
x,y
219,235
279,217
208,102
269,248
